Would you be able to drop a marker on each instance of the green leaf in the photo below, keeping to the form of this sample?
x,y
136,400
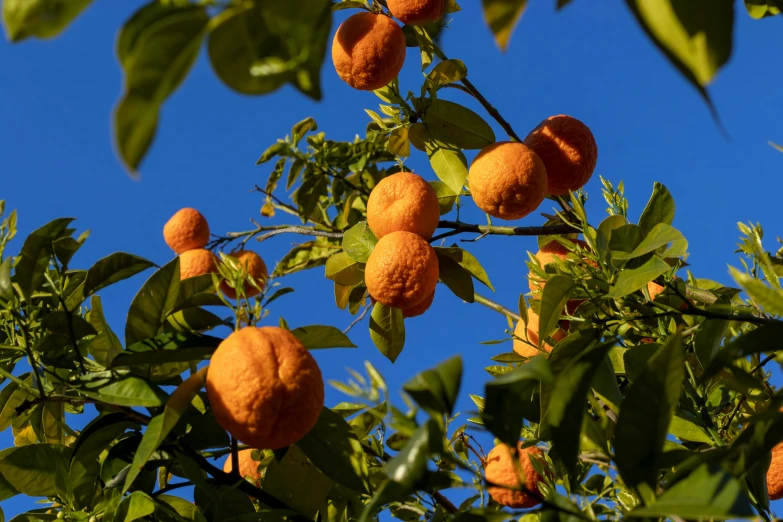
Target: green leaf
x,y
553,301
708,339
467,261
567,402
149,308
332,446
161,425
695,36
708,492
659,209
687,429
121,389
35,255
298,481
769,298
455,276
113,268
344,270
762,8
503,395
659,236
446,196
646,414
133,507
157,47
6,290
633,279
167,348
449,164
447,71
39,18
319,336
436,390
762,339
458,126
58,322
104,346
359,242
256,48
502,16
409,467
387,330
33,469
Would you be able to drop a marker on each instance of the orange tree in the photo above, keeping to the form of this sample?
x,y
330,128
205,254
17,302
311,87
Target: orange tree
x,y
632,388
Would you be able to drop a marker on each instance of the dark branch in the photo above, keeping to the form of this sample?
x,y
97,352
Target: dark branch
x,y
132,414
458,227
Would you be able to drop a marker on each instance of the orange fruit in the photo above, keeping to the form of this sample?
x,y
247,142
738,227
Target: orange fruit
x,y
248,468
251,264
501,470
507,180
417,12
654,289
368,51
196,262
264,387
546,255
403,201
402,270
186,230
568,150
775,473
524,349
420,308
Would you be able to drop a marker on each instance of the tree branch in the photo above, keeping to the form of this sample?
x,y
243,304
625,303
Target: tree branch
x,y
26,405
302,231
458,227
492,305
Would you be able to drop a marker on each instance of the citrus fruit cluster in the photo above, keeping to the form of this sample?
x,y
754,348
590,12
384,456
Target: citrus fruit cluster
x,y
264,388
402,270
187,234
514,485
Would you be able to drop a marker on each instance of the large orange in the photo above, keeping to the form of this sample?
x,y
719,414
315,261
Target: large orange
x,y
548,254
501,470
775,473
196,262
417,12
402,270
507,180
403,201
568,150
368,51
251,264
420,308
186,230
248,468
523,348
264,387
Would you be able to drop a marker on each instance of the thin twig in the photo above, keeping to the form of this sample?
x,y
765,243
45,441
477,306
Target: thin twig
x,y
357,320
172,487
132,414
495,306
302,231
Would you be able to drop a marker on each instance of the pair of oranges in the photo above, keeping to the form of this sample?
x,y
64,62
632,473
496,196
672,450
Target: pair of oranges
x,y
187,233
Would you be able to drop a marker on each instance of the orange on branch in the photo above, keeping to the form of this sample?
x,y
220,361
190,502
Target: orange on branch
x,y
251,264
523,348
507,180
186,230
402,270
264,387
368,51
501,470
417,12
775,473
196,262
248,468
403,202
568,150
548,254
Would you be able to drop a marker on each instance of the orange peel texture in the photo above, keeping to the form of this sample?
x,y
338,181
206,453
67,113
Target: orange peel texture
x,y
507,180
368,51
251,264
775,473
196,262
402,270
568,150
501,470
403,202
417,12
186,230
416,310
264,387
523,348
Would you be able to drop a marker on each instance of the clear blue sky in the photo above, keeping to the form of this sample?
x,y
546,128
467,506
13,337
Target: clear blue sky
x,y
591,62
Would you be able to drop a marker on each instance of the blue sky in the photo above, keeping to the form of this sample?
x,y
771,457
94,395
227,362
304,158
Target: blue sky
x,y
591,62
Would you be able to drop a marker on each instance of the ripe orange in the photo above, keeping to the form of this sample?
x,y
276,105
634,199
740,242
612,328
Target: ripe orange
x,y
248,468
501,470
568,150
524,349
775,473
654,289
264,387
402,270
368,51
196,262
251,264
417,12
507,180
186,230
403,201
420,308
546,255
